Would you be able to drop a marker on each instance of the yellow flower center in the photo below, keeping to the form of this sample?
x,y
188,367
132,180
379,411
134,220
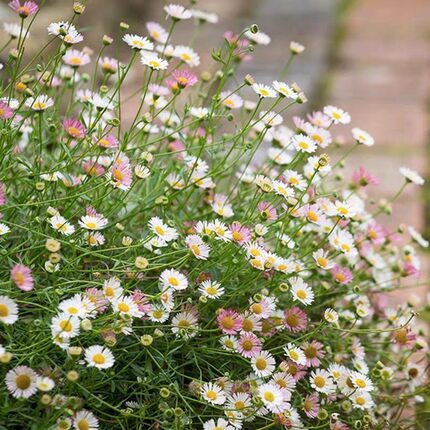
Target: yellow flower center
x,y
269,396
301,294
257,308
23,382
195,249
302,144
322,261
319,381
73,131
173,281
4,310
160,230
99,358
260,363
124,307
66,325
227,322
83,425
312,216
360,382
211,394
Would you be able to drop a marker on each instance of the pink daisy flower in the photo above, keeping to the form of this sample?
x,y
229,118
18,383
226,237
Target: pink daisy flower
x,y
74,128
313,352
240,51
341,274
295,320
98,298
297,371
26,9
267,211
5,110
240,234
121,175
376,233
262,308
404,337
311,405
181,79
229,321
249,345
410,269
108,141
93,168
141,300
319,119
2,194
362,178
22,277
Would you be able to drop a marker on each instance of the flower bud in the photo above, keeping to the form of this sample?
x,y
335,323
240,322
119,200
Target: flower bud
x,y
107,40
78,8
72,375
146,340
141,262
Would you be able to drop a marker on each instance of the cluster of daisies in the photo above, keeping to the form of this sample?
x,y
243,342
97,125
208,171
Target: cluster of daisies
x,y
180,252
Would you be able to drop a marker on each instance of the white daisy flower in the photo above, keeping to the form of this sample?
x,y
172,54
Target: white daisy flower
x,y
337,115
263,364
264,91
416,236
187,55
40,103
153,61
60,224
201,15
171,278
304,143
322,381
177,11
199,112
125,305
273,397
259,38
185,323
360,381
162,230
331,316
284,90
21,382
4,229
65,325
93,222
99,356
85,420
197,246
213,393
411,175
362,137
44,383
219,424
211,289
361,400
295,354
138,42
301,291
